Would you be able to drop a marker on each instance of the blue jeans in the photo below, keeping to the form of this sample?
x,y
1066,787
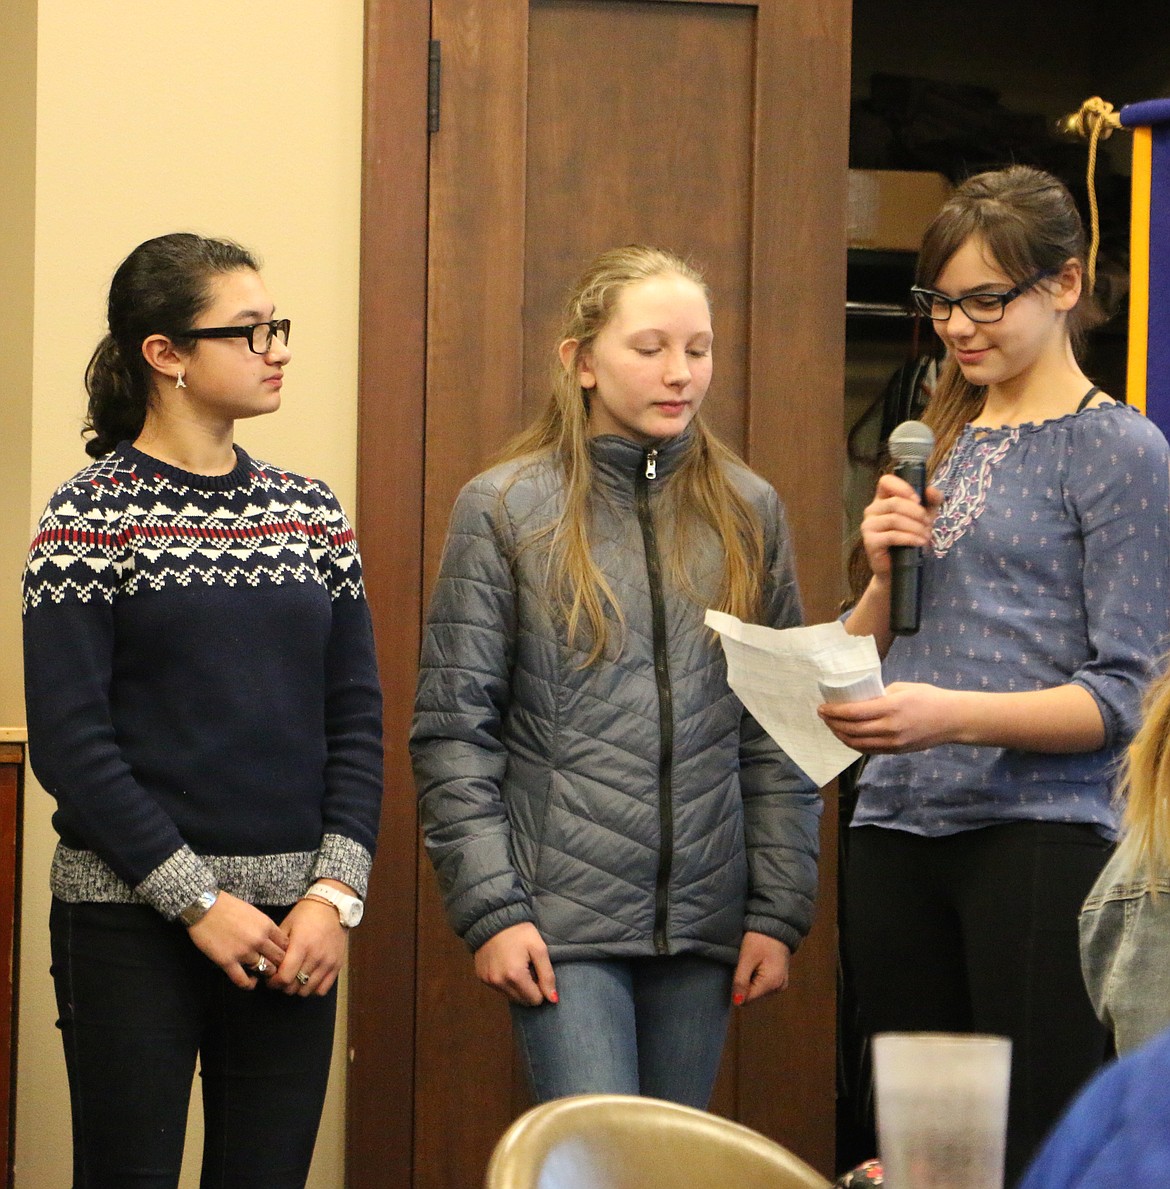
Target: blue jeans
x,y
652,1026
137,1004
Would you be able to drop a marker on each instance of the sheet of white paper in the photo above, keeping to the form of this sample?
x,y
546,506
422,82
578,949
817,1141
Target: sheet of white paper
x,y
778,673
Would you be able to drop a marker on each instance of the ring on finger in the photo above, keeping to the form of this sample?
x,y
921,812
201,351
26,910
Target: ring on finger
x,y
262,966
302,978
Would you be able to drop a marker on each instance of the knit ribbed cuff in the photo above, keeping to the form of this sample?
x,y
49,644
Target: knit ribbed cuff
x,y
177,882
343,859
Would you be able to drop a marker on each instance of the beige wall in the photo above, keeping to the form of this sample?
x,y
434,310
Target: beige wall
x,y
132,119
17,140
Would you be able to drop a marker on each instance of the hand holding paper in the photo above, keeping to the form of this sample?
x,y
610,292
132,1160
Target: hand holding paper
x,y
783,675
850,688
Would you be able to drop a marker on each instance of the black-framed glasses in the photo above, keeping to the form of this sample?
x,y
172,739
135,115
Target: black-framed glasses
x,y
979,307
260,335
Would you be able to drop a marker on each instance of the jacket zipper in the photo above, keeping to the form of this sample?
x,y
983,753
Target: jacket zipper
x,y
665,703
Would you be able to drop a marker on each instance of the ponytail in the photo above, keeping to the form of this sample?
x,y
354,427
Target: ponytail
x,y
117,399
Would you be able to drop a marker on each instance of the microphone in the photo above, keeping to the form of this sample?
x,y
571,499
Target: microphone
x,y
910,445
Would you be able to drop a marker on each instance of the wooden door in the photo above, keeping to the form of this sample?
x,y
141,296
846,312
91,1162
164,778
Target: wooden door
x,y
565,126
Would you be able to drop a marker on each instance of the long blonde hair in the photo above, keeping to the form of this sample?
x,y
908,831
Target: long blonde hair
x,y
699,490
1144,787
1029,223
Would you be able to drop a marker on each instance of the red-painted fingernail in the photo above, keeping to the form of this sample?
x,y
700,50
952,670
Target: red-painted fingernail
x,y
553,997
737,998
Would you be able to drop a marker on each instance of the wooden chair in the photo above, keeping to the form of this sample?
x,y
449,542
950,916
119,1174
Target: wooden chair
x,y
619,1141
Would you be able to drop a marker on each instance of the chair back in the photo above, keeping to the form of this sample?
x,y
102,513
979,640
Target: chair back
x,y
620,1141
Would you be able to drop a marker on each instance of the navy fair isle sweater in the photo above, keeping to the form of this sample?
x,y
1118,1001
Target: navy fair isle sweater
x,y
201,685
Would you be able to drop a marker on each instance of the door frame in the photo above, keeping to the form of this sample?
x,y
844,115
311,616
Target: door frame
x,y
391,406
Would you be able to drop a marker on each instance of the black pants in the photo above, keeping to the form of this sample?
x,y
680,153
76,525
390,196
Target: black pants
x,y
137,1004
977,932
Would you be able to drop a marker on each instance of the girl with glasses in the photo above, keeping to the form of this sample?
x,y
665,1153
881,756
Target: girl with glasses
x,y
984,810
203,703
622,848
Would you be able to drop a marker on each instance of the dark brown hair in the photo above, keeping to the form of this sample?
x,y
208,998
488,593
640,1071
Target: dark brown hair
x,y
160,288
1029,223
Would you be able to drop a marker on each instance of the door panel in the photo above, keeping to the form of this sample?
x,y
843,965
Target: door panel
x,y
625,145
568,126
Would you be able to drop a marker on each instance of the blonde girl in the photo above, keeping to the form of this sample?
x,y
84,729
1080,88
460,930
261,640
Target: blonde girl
x,y
1125,921
623,850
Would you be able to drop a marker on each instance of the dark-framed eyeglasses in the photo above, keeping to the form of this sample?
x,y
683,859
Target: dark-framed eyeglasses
x,y
260,335
979,307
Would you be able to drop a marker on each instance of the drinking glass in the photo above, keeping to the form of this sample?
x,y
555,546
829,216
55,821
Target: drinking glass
x,y
941,1108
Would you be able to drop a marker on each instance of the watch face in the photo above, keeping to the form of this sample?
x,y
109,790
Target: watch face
x,y
349,908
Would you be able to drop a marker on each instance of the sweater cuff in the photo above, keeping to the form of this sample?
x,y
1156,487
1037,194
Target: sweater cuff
x,y
343,859
177,882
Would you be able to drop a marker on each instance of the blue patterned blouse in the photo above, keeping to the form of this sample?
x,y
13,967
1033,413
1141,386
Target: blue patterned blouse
x,y
1050,564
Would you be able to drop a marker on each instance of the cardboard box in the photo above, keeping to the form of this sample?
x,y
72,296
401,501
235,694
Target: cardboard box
x,y
889,209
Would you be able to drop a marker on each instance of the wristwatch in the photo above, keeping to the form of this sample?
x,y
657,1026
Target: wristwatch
x,y
349,908
199,908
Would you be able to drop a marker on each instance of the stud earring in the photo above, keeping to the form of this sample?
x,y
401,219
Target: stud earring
x,y
179,381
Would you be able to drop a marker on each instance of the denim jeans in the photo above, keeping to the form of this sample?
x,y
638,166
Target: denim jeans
x,y
137,1004
652,1026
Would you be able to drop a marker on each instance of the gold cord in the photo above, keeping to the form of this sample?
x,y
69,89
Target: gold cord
x,y
1094,121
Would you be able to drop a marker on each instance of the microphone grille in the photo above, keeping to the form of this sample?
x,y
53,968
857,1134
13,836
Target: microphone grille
x,y
912,441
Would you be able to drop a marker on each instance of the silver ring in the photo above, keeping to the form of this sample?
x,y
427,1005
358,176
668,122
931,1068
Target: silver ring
x,y
262,965
302,978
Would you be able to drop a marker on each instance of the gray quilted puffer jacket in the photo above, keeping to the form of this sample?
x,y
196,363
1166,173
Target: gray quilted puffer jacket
x,y
630,808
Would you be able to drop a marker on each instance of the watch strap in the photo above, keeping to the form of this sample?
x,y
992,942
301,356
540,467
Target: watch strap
x,y
343,902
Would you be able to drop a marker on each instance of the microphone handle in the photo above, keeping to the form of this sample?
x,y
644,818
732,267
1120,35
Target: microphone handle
x,y
906,562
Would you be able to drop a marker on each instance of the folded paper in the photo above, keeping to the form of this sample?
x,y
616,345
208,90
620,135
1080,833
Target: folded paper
x,y
782,676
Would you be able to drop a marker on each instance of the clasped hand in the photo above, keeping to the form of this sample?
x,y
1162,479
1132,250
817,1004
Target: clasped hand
x,y
310,942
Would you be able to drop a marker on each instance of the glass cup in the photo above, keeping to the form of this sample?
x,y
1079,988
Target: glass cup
x,y
941,1108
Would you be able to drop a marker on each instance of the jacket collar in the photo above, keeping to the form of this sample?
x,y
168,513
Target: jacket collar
x,y
617,462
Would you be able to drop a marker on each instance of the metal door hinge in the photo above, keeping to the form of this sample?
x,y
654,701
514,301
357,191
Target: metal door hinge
x,y
434,67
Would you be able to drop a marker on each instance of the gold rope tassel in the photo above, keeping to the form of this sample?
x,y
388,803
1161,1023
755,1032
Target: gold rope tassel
x,y
1094,121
